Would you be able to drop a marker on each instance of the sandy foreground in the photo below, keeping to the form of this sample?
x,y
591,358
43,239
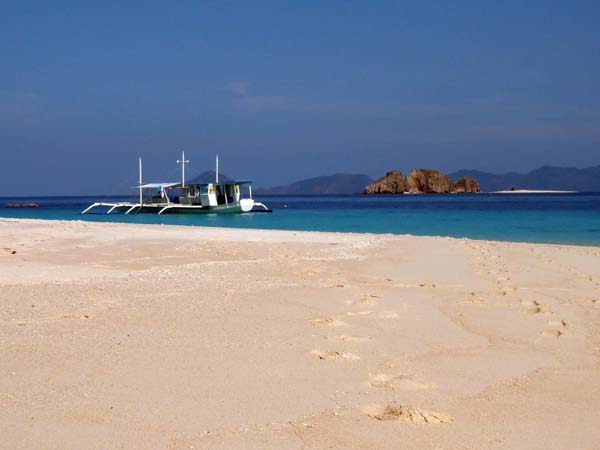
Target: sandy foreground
x,y
154,337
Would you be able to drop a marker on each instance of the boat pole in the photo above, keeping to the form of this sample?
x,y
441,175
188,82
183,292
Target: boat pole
x,y
183,163
140,164
217,170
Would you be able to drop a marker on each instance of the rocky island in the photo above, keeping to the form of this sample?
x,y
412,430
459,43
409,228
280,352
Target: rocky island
x,y
421,181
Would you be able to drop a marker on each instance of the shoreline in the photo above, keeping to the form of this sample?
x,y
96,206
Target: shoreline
x,y
283,231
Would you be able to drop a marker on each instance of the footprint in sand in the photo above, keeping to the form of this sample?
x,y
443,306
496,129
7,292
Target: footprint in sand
x,y
400,382
536,307
76,316
326,354
369,299
552,333
329,322
359,313
388,315
559,329
395,412
350,338
473,298
536,310
530,303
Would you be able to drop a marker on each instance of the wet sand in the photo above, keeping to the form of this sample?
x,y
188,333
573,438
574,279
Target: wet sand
x,y
155,337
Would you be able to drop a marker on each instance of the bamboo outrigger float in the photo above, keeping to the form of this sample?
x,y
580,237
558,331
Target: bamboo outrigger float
x,y
181,198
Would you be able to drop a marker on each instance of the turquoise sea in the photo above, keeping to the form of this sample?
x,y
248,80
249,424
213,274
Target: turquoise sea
x,y
551,218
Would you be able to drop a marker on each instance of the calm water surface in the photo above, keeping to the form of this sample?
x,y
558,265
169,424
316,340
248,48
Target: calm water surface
x,y
552,218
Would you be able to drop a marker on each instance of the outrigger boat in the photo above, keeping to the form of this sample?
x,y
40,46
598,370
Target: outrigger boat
x,y
180,198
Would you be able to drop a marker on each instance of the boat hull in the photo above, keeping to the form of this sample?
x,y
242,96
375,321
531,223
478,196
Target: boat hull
x,y
243,206
232,209
132,208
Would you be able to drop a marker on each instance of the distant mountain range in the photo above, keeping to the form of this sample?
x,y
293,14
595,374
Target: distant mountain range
x,y
546,178
339,183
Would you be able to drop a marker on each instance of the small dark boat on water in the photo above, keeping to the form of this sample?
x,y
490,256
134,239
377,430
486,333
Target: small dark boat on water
x,y
22,205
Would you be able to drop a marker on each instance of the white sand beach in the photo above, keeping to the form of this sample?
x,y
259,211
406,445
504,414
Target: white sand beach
x,y
165,337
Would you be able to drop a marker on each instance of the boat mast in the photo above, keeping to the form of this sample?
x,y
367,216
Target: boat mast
x,y
217,170
183,162
140,165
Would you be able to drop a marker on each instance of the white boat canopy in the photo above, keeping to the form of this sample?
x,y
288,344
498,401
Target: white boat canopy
x,y
158,185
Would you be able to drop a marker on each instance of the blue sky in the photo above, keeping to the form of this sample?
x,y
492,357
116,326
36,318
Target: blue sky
x,y
287,90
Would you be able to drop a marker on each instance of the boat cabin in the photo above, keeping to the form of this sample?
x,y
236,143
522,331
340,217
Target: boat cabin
x,y
214,194
160,192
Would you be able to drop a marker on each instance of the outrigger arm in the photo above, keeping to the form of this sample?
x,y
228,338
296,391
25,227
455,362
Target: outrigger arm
x,y
111,209
93,205
164,209
112,206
